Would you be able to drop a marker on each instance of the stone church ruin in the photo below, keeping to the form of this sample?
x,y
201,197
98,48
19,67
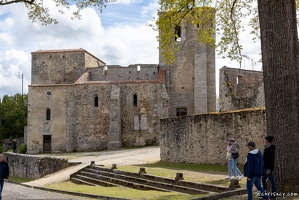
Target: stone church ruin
x,y
78,103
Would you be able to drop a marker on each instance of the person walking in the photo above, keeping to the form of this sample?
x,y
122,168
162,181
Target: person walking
x,y
14,145
234,150
229,159
4,173
253,170
269,158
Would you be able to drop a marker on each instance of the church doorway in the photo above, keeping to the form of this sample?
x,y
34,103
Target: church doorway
x,y
47,143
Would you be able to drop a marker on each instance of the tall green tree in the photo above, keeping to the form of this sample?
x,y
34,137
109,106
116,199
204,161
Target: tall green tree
x,y
279,47
37,10
13,116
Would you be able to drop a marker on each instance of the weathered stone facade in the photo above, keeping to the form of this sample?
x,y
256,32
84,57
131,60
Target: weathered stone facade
x,y
28,166
191,81
202,139
77,103
77,124
240,89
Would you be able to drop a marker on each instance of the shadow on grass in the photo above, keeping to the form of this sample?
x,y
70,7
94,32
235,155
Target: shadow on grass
x,y
214,169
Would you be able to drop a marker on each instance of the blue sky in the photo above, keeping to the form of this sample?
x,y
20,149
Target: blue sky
x,y
118,35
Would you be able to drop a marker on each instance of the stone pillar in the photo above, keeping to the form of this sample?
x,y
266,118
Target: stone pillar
x,y
234,184
200,79
115,126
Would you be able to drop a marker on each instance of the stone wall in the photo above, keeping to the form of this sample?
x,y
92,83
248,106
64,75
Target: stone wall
x,y
240,89
28,166
191,81
37,124
118,73
61,66
202,139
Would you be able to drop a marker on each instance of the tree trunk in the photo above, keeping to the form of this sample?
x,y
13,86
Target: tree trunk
x,y
279,45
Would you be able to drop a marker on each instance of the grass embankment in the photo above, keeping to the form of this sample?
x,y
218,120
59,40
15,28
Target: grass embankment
x,y
19,180
195,173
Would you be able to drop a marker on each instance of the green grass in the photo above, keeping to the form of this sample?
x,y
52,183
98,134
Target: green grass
x,y
189,167
121,192
19,179
210,174
196,173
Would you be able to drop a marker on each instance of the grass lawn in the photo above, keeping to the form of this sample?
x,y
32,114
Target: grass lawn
x,y
195,173
19,180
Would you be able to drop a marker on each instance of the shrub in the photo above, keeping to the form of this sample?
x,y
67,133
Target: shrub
x,y
23,149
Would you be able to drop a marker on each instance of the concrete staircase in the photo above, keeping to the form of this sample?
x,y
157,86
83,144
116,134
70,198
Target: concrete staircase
x,y
99,175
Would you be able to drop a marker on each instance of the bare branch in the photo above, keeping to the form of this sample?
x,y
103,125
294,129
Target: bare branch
x,y
4,2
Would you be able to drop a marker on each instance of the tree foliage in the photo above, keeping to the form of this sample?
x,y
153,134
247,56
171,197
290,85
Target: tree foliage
x,y
37,10
13,116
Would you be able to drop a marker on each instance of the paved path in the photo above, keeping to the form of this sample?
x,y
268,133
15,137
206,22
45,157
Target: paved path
x,y
106,158
13,191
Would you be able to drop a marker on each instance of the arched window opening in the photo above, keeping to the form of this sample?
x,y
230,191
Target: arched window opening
x,y
178,33
135,100
96,101
48,114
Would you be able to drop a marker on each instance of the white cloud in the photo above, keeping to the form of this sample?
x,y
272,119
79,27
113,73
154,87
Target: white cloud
x,y
150,9
6,38
127,2
12,62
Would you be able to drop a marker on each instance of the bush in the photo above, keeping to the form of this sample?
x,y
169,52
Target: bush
x,y
23,149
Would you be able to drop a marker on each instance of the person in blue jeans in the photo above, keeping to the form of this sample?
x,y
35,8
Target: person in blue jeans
x,y
235,150
4,173
253,170
229,159
269,158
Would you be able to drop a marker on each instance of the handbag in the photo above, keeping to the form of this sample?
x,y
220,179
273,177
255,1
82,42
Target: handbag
x,y
235,155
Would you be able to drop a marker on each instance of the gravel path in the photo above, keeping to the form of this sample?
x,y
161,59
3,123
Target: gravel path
x,y
13,191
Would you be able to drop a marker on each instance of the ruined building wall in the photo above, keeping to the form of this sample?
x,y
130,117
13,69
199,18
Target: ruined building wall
x,y
142,119
202,139
60,66
240,89
41,98
76,124
92,61
190,81
118,73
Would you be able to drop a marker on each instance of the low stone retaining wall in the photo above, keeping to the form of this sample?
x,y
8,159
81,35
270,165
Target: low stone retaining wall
x,y
28,166
202,139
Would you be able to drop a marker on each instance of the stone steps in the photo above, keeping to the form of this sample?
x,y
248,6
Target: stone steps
x,y
142,183
98,175
80,181
201,186
108,181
